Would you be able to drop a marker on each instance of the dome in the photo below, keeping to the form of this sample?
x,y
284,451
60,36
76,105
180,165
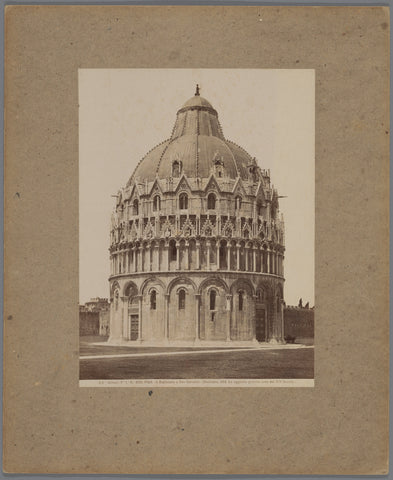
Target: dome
x,y
196,141
197,101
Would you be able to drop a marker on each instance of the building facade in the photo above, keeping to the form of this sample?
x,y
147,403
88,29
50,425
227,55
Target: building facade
x,y
197,242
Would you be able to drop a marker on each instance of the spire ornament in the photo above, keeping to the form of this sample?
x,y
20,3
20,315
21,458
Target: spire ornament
x,y
197,90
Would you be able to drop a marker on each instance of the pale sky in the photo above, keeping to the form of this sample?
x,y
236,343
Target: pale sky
x,y
125,112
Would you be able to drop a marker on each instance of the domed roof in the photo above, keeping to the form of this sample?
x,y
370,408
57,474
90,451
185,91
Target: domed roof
x,y
196,141
197,101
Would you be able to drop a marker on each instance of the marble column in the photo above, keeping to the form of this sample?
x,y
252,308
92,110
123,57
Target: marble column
x,y
140,298
246,250
166,317
198,255
208,255
218,254
268,260
238,256
229,314
166,257
254,258
178,255
187,262
228,256
197,316
157,257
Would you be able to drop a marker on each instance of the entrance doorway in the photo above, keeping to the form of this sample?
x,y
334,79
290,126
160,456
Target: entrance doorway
x,y
133,318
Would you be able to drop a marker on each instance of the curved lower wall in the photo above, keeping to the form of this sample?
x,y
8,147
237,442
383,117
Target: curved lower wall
x,y
196,306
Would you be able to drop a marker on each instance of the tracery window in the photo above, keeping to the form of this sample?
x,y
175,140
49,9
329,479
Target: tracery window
x,y
183,201
153,300
211,201
182,299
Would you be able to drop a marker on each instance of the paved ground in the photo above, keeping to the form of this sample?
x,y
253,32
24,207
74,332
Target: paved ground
x,y
158,363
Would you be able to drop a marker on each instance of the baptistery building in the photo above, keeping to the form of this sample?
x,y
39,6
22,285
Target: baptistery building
x,y
197,242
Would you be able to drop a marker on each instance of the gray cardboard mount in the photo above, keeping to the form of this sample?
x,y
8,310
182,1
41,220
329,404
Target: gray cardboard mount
x,y
51,425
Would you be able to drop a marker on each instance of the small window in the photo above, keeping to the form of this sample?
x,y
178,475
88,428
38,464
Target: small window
x,y
135,207
153,300
241,300
156,203
213,295
211,201
182,299
238,203
176,168
183,201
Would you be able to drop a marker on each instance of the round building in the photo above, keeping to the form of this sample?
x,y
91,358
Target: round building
x,y
197,242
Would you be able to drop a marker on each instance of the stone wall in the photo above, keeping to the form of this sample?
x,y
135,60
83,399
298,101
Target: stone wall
x,y
89,323
299,322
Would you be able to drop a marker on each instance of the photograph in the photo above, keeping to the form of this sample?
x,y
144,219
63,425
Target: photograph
x,y
196,249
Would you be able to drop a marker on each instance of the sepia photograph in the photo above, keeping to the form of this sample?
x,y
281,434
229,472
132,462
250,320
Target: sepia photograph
x,y
196,227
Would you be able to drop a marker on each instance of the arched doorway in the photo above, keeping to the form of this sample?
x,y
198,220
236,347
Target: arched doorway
x,y
133,318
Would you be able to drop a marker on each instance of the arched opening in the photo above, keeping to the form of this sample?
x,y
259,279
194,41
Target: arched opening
x,y
172,251
135,207
183,201
238,202
223,256
182,299
156,203
153,300
211,201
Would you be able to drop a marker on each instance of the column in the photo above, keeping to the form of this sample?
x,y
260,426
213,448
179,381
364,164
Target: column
x,y
197,316
198,255
238,256
178,255
157,257
208,254
218,254
228,256
166,256
229,310
254,323
187,256
254,258
262,257
136,259
246,250
150,253
140,298
268,260
166,317
277,271
126,321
